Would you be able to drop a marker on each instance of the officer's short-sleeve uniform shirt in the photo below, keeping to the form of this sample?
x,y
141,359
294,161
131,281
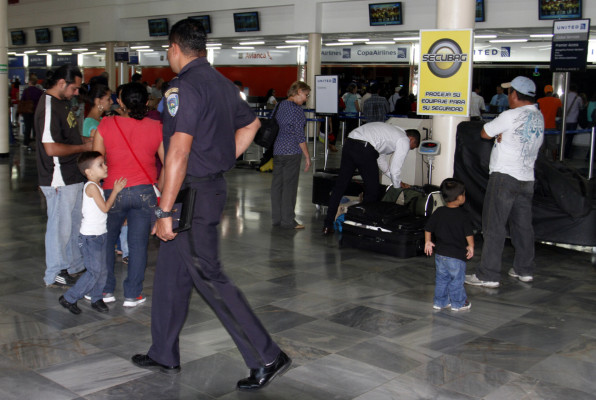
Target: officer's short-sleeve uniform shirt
x,y
206,105
56,123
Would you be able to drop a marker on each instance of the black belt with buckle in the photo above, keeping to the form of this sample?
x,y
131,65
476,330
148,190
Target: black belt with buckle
x,y
364,142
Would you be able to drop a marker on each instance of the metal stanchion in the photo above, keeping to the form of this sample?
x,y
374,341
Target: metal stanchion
x,y
591,166
326,141
342,124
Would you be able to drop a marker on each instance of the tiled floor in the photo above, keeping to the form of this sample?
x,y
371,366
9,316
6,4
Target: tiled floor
x,y
358,325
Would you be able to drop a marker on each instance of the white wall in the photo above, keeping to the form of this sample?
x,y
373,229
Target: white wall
x,y
126,20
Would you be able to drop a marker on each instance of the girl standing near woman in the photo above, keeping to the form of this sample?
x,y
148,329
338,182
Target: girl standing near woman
x,y
99,97
130,142
288,149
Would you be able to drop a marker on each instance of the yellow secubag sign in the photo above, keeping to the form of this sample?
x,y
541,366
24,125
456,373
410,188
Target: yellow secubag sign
x,y
445,72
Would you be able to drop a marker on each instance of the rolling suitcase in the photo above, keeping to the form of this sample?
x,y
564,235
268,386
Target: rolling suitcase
x,y
323,181
397,235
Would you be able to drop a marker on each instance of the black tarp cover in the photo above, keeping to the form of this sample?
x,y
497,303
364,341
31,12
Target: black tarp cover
x,y
564,208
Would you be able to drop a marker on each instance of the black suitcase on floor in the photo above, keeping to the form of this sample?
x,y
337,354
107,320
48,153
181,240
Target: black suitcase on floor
x,y
386,228
323,182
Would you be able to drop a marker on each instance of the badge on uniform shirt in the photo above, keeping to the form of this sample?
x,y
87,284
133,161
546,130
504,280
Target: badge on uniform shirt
x,y
172,101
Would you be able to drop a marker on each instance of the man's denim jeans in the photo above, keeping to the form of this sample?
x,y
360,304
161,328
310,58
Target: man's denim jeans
x,y
136,205
64,205
449,286
93,280
507,203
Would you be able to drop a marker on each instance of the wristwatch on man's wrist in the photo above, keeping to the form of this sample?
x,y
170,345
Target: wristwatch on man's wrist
x,y
159,213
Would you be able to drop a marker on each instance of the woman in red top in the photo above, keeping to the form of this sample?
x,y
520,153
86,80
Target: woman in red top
x,y
117,138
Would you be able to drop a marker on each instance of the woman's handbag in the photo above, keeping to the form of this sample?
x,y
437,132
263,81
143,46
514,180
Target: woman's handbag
x,y
268,131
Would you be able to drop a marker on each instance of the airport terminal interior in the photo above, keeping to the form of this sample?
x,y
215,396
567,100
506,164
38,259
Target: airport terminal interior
x,y
357,324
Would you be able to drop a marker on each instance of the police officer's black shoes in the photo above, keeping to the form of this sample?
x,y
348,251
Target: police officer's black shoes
x,y
144,361
261,377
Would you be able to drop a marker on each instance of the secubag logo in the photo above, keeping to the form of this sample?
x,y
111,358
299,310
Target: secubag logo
x,y
444,58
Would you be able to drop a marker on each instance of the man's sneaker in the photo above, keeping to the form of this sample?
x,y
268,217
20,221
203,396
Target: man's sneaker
x,y
436,307
523,278
474,281
107,297
133,302
467,305
64,279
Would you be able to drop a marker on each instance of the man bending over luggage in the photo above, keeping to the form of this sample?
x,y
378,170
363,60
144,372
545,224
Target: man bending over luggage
x,y
362,150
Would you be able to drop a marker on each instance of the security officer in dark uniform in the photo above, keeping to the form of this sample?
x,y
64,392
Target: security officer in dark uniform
x,y
206,127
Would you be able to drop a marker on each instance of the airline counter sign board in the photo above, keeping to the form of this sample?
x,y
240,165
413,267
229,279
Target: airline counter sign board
x,y
569,50
445,72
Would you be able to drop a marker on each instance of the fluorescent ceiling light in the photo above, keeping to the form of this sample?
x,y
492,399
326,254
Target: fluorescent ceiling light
x,y
81,49
20,54
12,53
353,40
30,51
65,54
406,39
297,41
139,47
541,35
102,48
54,50
42,54
485,36
243,48
382,42
339,44
144,50
165,46
287,47
88,53
251,43
508,41
214,48
213,44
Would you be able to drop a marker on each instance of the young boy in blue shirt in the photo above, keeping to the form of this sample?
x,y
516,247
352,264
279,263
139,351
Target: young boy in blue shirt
x,y
93,234
453,245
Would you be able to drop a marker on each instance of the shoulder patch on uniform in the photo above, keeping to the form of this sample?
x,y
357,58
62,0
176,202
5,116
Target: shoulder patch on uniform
x,y
172,101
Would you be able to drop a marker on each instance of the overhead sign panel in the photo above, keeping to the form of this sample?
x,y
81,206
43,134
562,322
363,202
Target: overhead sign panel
x,y
445,72
569,51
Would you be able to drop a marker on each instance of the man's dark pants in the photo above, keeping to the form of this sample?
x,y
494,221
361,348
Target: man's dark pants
x,y
508,202
178,271
361,155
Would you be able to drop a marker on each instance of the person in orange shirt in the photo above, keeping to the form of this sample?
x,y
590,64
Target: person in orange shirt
x,y
550,106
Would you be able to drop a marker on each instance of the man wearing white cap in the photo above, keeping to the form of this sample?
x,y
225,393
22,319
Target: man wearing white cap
x,y
518,134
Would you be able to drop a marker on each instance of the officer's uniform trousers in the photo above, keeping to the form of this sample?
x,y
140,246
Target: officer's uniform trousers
x,y
178,271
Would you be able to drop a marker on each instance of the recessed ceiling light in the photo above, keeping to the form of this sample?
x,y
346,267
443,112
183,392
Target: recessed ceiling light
x,y
508,41
88,53
542,35
382,42
297,41
54,50
353,40
290,46
406,39
243,48
65,54
213,44
257,43
30,51
81,49
485,36
144,50
339,44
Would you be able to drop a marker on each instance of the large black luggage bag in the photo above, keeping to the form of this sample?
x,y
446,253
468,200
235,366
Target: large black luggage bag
x,y
383,227
323,181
